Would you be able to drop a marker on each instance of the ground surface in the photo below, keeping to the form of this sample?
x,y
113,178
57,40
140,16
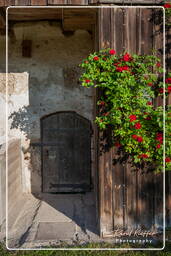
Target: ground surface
x,y
51,218
56,220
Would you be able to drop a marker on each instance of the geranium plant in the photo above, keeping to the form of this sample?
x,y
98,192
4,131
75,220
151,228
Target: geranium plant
x,y
128,87
167,7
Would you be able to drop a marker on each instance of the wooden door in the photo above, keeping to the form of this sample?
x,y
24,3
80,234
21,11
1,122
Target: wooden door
x,y
66,152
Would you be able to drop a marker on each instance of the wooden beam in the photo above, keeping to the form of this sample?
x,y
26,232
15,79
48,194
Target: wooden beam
x,y
78,2
72,18
22,2
2,3
33,14
39,2
9,2
75,2
57,2
78,19
126,2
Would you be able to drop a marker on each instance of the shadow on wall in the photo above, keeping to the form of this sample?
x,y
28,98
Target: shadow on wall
x,y
21,120
78,207
137,193
53,86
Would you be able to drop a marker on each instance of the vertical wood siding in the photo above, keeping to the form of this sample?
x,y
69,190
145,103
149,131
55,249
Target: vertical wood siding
x,y
129,199
38,2
75,2
42,2
168,174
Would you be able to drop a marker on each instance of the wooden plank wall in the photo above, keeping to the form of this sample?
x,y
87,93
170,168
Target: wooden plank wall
x,y
75,2
168,174
129,199
42,2
125,2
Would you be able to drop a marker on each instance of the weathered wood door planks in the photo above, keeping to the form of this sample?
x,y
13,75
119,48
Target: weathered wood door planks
x,y
66,153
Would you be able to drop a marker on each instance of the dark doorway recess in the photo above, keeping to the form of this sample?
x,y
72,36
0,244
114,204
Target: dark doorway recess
x,y
66,153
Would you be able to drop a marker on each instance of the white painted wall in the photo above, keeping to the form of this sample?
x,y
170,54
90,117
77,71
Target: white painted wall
x,y
40,85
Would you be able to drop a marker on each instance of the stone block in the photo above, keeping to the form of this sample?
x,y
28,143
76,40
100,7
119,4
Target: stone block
x,y
55,231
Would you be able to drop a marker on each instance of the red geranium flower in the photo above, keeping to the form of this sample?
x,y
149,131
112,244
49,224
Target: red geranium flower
x,y
132,118
116,64
167,5
159,137
158,64
169,89
167,159
149,103
139,139
96,58
158,146
117,144
148,118
159,134
161,90
119,69
143,156
134,136
168,80
112,52
127,57
87,81
150,84
125,68
102,103
137,126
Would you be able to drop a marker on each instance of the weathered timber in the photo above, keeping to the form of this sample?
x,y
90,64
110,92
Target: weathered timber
x,y
22,2
66,160
129,199
73,19
57,2
124,2
2,18
38,2
34,14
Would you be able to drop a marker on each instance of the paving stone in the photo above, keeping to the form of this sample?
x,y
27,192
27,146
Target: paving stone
x,y
60,217
50,213
55,231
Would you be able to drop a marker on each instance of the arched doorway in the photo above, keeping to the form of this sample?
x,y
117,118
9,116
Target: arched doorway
x,y
66,152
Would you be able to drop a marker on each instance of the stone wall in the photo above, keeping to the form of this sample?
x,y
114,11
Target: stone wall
x,y
2,184
14,177
14,180
39,85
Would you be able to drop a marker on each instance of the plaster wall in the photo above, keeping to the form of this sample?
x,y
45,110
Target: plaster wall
x,y
46,82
